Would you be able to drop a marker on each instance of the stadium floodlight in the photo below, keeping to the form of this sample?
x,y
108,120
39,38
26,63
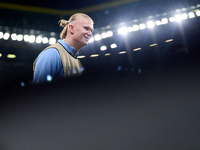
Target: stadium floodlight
x,y
109,33
104,35
158,23
122,30
0,55
91,40
45,40
103,48
31,38
198,13
19,37
184,16
142,26
178,18
107,54
94,55
6,36
97,37
52,41
14,36
113,45
150,24
172,19
137,49
1,35
122,52
82,56
183,9
26,38
191,15
164,21
170,40
152,45
38,39
11,56
130,29
135,27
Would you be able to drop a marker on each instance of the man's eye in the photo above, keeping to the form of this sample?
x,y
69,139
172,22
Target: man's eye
x,y
86,28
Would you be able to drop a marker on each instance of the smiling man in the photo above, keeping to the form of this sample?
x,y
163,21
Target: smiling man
x,y
60,59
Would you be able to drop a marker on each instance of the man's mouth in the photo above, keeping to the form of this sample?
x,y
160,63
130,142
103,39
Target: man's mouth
x,y
87,38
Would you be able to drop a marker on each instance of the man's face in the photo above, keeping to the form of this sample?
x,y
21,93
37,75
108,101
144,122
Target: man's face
x,y
83,29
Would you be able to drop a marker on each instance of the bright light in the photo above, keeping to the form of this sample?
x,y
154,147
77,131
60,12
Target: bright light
x,y
49,78
6,36
113,45
104,35
38,39
109,33
11,56
14,36
122,52
107,54
91,40
20,37
122,31
178,18
172,19
158,22
135,27
137,49
170,40
150,24
164,21
198,13
130,29
94,55
191,15
103,48
142,26
1,35
81,56
153,45
183,9
184,16
97,37
26,38
0,55
52,41
45,40
31,38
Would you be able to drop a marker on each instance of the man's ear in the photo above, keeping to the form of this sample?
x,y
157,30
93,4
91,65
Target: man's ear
x,y
71,28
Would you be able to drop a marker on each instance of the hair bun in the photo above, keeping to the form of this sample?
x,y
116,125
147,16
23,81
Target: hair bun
x,y
63,22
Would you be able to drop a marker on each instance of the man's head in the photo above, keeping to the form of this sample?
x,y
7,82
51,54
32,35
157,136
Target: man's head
x,y
78,30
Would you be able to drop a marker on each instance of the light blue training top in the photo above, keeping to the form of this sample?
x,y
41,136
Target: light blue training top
x,y
49,66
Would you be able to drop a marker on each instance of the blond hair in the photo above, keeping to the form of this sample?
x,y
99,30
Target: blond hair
x,y
64,23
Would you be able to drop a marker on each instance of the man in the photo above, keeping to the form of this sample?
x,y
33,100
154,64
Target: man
x,y
60,59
